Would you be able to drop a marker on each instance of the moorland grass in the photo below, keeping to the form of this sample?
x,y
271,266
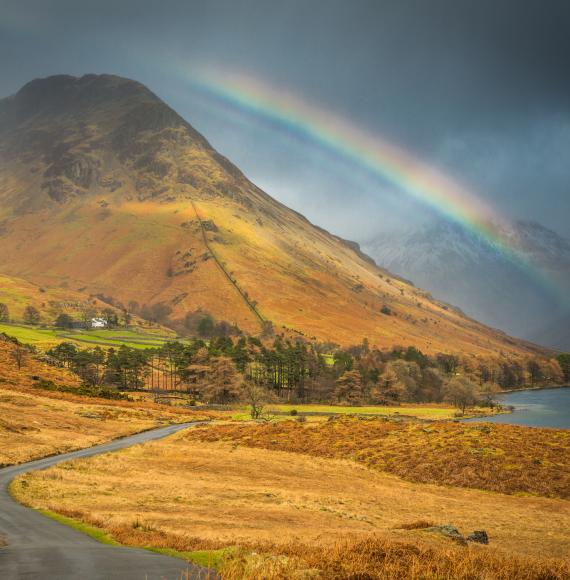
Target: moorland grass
x,y
502,458
378,558
187,496
287,515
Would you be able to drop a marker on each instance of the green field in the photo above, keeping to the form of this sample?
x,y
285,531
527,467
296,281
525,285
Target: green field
x,y
418,411
46,337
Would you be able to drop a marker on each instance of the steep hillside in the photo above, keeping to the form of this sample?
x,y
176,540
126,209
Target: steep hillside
x,y
459,267
17,294
104,187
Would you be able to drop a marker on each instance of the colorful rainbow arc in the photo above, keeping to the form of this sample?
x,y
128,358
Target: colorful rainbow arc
x,y
385,160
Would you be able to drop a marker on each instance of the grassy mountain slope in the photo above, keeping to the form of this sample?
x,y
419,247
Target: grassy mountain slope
x,y
17,293
104,187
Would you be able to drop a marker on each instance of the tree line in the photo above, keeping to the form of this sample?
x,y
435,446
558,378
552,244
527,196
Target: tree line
x,y
226,369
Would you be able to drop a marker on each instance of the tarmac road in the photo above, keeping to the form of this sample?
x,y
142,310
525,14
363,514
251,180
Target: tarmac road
x,y
41,548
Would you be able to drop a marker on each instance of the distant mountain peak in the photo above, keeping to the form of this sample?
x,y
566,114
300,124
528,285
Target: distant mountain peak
x,y
463,268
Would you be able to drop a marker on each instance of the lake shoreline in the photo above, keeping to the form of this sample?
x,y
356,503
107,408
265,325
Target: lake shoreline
x,y
538,407
544,388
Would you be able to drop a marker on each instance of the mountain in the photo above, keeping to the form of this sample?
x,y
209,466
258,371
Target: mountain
x,y
105,189
462,268
556,334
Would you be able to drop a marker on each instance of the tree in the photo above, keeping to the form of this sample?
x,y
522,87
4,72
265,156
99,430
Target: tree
x,y
401,380
267,330
63,320
64,352
510,375
158,312
223,383
488,393
83,365
552,372
256,397
410,376
111,317
349,387
534,372
413,354
31,315
18,354
4,313
448,363
206,326
432,384
461,392
87,315
564,362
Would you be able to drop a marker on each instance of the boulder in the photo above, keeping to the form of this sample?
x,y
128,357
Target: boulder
x,y
479,537
450,532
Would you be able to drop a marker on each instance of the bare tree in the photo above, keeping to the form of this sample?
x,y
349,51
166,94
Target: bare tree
x,y
257,398
19,355
32,315
461,392
4,313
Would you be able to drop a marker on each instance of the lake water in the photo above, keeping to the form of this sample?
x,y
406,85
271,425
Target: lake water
x,y
540,408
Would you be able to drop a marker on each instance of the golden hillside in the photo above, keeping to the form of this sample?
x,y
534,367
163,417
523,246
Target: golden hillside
x,y
104,188
41,414
17,294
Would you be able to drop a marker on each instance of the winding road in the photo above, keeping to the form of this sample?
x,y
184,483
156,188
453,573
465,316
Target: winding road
x,y
39,547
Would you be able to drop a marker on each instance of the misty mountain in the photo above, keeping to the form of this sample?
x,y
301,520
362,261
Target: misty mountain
x,y
556,334
462,268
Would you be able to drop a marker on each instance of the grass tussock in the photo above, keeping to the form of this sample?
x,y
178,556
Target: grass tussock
x,y
385,559
417,525
503,458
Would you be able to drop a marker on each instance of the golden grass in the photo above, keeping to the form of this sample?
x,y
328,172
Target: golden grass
x,y
33,426
502,458
385,559
187,495
35,423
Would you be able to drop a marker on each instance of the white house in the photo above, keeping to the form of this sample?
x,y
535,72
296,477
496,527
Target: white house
x,y
98,323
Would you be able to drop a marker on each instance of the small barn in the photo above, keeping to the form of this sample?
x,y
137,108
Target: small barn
x,y
98,323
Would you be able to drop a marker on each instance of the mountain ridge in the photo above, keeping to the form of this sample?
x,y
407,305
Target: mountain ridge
x,y
464,269
107,188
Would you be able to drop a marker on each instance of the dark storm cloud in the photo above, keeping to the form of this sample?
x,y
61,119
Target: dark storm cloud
x,y
482,88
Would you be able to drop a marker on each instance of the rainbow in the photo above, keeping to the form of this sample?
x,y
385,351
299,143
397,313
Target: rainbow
x,y
340,137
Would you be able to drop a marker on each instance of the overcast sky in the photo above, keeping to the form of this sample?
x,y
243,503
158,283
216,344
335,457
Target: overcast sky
x,y
480,88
